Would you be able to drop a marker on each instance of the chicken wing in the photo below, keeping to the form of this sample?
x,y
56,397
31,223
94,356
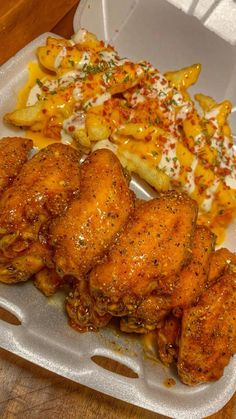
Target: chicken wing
x,y
47,281
191,281
82,235
152,249
220,261
81,309
148,315
13,154
208,337
41,191
25,264
168,340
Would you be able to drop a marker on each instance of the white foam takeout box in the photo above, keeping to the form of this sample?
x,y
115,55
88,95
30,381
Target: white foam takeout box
x,y
170,38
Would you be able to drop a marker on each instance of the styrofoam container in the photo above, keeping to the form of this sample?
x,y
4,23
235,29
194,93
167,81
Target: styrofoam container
x,y
169,38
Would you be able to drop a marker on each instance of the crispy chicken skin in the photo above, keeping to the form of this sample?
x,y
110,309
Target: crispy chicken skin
x,y
13,154
82,235
47,281
25,264
220,261
208,337
148,315
42,190
81,309
154,246
191,281
168,339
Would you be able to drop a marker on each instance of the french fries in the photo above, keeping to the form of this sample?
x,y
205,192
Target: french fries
x,y
184,78
156,128
25,117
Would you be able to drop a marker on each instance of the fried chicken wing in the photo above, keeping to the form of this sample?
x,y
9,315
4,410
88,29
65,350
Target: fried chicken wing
x,y
25,264
81,309
193,278
153,248
208,337
41,191
148,315
168,340
82,235
47,281
191,282
220,262
13,154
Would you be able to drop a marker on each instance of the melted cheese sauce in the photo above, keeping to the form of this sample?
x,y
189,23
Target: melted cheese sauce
x,y
29,93
87,86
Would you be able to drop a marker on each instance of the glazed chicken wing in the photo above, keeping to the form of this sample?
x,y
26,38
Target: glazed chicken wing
x,y
148,315
208,337
82,235
81,309
220,262
26,263
168,339
47,280
191,281
41,191
153,248
13,154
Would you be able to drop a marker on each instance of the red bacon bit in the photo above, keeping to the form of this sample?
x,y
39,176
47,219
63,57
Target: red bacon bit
x,y
71,128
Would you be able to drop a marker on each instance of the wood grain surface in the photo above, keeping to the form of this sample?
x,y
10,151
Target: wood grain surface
x,y
26,390
23,20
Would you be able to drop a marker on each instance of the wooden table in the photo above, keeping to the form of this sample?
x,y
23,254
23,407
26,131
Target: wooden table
x,y
26,390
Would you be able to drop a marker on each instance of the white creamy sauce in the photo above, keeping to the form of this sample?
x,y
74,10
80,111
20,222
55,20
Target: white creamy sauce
x,y
97,100
190,181
74,123
184,111
63,81
178,98
108,56
111,56
33,98
169,162
210,194
137,97
199,142
139,71
60,57
79,36
51,84
230,181
225,151
105,144
65,137
77,92
160,86
69,77
85,59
